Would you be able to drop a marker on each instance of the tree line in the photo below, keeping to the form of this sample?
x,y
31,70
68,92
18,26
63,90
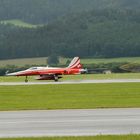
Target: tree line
x,y
98,33
45,11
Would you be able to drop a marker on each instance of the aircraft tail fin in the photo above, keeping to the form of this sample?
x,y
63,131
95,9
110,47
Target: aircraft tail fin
x,y
75,63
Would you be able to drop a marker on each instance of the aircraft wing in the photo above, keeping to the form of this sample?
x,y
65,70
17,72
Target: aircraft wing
x,y
49,76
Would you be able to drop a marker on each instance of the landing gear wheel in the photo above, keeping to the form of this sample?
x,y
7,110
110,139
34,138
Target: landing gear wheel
x,y
26,79
56,78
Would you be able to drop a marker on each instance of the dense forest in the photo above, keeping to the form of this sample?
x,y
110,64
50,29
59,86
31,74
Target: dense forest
x,y
87,28
44,11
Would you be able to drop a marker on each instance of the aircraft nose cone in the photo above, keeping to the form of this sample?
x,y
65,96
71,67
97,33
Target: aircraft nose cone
x,y
11,74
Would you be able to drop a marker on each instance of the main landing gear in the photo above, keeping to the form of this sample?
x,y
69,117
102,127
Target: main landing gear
x,y
56,78
26,79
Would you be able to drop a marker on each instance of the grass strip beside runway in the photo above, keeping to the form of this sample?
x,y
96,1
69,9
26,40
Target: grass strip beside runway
x,y
125,137
81,96
77,77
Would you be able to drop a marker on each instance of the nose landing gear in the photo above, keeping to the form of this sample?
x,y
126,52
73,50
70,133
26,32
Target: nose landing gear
x,y
26,79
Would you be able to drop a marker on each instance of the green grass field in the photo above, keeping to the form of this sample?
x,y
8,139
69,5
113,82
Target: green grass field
x,y
42,61
24,61
77,77
110,60
19,23
125,137
81,96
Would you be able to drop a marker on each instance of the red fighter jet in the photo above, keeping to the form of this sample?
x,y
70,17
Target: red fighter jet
x,y
51,73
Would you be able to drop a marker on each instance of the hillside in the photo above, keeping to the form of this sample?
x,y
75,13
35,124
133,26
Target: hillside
x,y
44,11
85,28
98,33
19,23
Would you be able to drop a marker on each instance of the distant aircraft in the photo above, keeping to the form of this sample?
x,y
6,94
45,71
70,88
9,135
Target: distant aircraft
x,y
51,73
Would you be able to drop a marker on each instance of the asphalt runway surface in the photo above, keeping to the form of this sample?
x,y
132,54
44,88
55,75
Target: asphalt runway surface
x,y
72,82
69,122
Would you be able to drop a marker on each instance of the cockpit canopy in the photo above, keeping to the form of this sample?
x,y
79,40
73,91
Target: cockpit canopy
x,y
33,68
36,68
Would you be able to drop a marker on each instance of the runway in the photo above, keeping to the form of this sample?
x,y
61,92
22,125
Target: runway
x,y
72,82
69,122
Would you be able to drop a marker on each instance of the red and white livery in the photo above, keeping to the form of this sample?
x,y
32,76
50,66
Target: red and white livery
x,y
51,73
